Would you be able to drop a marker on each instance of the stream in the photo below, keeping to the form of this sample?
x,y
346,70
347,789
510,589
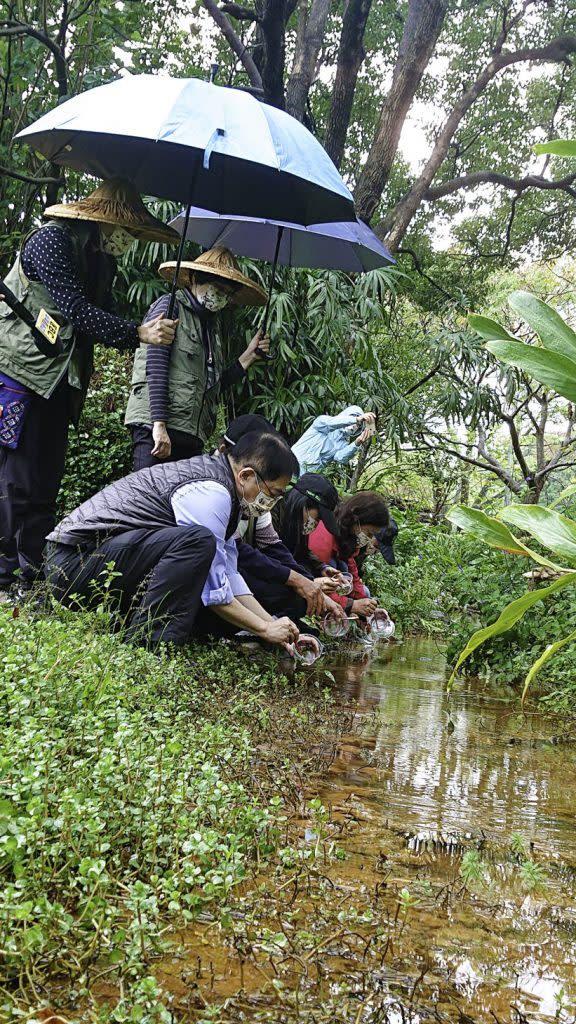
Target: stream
x,y
443,879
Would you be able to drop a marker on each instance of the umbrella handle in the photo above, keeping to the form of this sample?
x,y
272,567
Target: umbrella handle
x,y
264,325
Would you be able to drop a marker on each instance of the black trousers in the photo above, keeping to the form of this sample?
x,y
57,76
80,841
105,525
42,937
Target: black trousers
x,y
184,446
30,478
163,572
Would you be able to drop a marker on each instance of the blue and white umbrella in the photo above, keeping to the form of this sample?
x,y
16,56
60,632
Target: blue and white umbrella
x,y
196,142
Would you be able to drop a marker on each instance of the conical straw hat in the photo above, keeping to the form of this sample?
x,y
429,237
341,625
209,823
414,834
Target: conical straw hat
x,y
220,263
117,202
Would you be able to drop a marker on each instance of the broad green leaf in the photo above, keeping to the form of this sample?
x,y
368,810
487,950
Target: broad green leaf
x,y
559,147
509,616
493,532
552,530
551,369
553,331
544,657
489,329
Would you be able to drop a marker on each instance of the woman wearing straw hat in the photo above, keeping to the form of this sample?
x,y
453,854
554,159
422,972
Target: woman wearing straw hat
x,y
63,276
175,392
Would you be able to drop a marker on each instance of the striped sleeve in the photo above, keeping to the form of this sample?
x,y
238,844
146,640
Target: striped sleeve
x,y
158,365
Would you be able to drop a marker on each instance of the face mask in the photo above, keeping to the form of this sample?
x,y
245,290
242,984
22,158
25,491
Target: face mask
x,y
260,504
118,243
362,539
210,296
309,525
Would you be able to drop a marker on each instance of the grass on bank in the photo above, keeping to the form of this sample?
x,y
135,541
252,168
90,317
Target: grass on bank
x,y
132,796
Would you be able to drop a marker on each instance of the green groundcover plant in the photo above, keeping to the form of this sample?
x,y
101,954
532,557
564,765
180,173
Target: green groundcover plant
x,y
128,805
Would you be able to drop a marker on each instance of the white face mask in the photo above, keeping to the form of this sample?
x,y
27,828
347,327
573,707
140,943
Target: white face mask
x,y
362,538
210,296
118,243
310,525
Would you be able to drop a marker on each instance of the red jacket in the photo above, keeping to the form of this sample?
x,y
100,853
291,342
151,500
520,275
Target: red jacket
x,y
325,546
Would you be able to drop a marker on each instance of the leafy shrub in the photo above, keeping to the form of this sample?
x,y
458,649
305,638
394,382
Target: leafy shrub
x,y
124,805
440,578
446,585
100,450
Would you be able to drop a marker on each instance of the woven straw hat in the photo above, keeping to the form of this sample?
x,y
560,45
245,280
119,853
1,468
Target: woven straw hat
x,y
117,202
221,263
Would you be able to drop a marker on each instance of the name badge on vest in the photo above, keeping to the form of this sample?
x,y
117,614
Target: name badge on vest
x,y
48,326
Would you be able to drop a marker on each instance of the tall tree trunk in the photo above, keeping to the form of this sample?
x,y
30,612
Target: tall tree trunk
x,y
396,225
273,27
311,28
351,53
421,30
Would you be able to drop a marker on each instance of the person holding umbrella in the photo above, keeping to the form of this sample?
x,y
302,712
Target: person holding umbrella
x,y
175,392
62,277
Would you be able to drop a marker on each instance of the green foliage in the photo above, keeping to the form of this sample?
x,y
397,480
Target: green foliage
x,y
550,529
124,807
100,450
435,581
322,325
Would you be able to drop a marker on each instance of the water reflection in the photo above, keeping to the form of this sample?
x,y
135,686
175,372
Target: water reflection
x,y
468,762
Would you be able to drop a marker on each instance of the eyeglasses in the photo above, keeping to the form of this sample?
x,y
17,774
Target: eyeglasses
x,y
274,498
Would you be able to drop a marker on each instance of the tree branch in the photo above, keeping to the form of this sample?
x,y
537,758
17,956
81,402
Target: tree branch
x,y
494,178
397,223
234,41
239,12
7,172
18,28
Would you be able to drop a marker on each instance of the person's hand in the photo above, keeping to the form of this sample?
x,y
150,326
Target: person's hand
x,y
334,609
369,419
280,631
364,606
162,444
331,573
328,585
159,331
250,355
313,594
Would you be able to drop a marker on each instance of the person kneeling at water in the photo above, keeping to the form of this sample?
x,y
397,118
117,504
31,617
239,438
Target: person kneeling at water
x,y
268,567
168,530
358,518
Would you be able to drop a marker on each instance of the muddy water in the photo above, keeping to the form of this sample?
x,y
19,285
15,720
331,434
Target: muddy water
x,y
429,776
437,881
430,762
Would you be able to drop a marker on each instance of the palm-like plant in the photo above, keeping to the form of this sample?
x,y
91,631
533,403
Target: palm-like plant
x,y
552,362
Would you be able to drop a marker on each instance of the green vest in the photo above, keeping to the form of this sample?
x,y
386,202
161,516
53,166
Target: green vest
x,y
192,398
19,356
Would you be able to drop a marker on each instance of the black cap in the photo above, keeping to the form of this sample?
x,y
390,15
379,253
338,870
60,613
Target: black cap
x,y
324,494
250,422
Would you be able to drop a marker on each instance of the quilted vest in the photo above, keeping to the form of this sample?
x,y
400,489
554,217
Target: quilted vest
x,y
19,356
192,403
142,500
